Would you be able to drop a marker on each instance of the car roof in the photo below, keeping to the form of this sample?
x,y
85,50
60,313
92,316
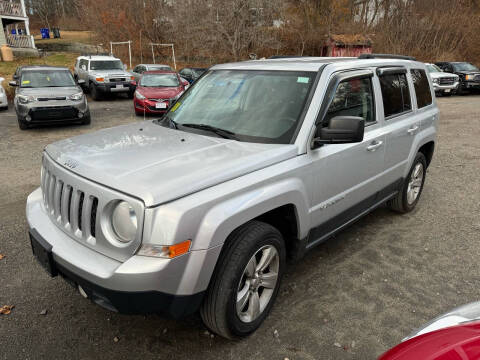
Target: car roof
x,y
160,72
98,57
312,63
45,67
155,65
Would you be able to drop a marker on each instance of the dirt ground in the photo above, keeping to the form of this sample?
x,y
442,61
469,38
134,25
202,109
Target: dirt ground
x,y
352,297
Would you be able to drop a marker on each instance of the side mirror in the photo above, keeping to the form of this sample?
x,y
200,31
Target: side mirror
x,y
81,82
83,67
341,130
15,77
13,83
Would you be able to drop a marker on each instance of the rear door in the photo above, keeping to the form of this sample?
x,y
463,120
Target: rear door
x,y
403,112
348,177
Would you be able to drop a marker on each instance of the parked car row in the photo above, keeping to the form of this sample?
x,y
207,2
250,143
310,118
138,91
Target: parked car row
x,y
47,94
454,77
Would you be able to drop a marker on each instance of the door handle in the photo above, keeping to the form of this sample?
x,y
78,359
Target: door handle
x,y
374,145
412,130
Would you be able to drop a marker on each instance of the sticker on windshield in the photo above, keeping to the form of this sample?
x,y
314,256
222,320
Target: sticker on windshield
x,y
25,82
175,107
303,80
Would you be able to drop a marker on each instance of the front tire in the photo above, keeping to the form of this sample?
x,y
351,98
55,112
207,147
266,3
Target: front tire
x,y
246,281
406,200
94,93
22,124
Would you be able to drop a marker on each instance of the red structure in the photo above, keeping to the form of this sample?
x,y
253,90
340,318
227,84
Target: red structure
x,y
347,45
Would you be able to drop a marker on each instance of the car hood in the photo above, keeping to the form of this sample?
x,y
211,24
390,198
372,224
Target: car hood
x,y
160,93
469,72
438,75
50,91
110,73
158,164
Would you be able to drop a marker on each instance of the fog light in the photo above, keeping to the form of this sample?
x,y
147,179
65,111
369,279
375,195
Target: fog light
x,y
28,118
82,292
80,114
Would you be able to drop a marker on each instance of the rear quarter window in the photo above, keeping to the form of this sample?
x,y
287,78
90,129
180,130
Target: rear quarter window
x,y
395,94
422,88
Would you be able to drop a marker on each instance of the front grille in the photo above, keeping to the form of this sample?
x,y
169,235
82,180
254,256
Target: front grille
x,y
477,78
117,79
80,208
54,113
447,81
51,98
71,208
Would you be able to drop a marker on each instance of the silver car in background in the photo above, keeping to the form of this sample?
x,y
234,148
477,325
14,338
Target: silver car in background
x,y
141,68
49,95
3,96
443,83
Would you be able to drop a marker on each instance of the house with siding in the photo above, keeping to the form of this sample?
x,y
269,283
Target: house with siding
x,y
15,25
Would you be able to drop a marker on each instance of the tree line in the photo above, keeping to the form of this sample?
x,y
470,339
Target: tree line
x,y
223,30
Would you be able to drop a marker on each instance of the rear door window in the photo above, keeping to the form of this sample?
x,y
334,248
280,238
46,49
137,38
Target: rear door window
x,y
395,94
422,88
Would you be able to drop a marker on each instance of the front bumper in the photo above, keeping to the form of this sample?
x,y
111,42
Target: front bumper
x,y
148,106
115,87
52,111
3,100
442,88
141,284
471,85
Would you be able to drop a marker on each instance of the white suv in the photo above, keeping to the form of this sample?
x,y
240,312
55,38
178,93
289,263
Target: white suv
x,y
103,74
256,162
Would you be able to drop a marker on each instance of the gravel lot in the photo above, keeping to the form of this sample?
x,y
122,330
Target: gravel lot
x,y
352,297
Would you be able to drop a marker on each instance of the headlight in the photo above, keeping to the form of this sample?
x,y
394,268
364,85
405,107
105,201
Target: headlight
x,y
139,96
178,95
22,99
461,315
124,222
76,97
167,252
436,81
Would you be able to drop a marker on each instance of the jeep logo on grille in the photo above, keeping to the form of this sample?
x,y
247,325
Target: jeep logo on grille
x,y
70,163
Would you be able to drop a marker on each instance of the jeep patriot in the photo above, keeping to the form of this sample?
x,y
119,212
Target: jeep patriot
x,y
256,163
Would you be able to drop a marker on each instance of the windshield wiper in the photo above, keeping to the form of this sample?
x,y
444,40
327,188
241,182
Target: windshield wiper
x,y
226,134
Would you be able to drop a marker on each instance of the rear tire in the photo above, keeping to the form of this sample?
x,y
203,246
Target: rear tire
x,y
242,291
406,200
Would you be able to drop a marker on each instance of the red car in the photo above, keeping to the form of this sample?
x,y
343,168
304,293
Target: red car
x,y
156,90
453,336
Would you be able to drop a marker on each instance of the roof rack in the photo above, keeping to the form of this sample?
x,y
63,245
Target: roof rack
x,y
96,54
286,57
386,56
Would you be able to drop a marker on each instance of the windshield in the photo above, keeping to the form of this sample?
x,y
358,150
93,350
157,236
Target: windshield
x,y
153,68
256,106
106,65
464,67
433,68
46,78
198,71
159,80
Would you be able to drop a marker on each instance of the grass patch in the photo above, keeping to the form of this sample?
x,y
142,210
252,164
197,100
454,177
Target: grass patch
x,y
67,37
7,69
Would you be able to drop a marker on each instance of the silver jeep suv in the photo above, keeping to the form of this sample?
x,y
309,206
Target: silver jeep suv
x,y
257,162
103,74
